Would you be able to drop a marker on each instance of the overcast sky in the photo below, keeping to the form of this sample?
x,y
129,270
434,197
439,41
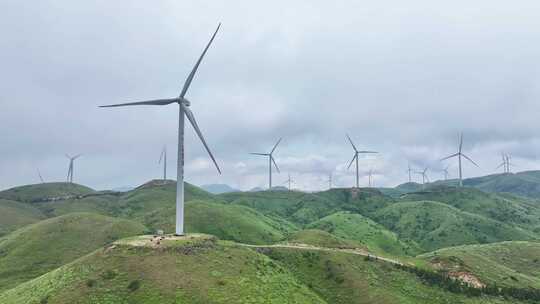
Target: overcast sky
x,y
402,78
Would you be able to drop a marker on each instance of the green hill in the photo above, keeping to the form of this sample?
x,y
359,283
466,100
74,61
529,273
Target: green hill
x,y
435,225
38,248
320,238
364,231
228,222
507,209
14,215
343,278
39,192
513,263
192,270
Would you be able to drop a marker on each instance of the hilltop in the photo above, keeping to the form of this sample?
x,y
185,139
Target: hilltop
x,y
44,192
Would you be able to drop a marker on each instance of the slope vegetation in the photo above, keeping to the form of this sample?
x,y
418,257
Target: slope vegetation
x,y
39,192
14,215
36,249
196,269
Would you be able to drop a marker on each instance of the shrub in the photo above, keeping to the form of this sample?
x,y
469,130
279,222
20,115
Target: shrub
x,y
91,283
134,285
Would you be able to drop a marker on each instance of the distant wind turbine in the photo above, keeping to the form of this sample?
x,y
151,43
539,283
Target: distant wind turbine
x,y
40,177
355,157
184,111
445,171
370,176
409,171
424,177
289,181
505,163
163,157
330,181
460,154
270,161
70,168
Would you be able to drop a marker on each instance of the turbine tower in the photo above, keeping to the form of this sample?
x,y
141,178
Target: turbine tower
x,y
330,181
355,157
370,177
184,111
409,171
460,154
270,161
70,168
424,177
445,171
505,163
289,181
163,157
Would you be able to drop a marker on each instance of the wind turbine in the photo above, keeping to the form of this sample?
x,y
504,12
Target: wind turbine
x,y
289,181
504,163
40,177
163,157
424,177
270,161
355,157
445,171
184,111
460,154
409,170
330,181
370,176
70,168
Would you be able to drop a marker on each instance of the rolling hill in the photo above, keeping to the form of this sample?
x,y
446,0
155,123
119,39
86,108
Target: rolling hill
x,y
435,225
365,232
14,215
45,191
514,263
191,270
41,247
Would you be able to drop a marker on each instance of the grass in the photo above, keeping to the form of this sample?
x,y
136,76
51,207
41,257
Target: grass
x,y
37,192
515,263
14,215
320,238
435,225
38,248
213,273
342,278
366,232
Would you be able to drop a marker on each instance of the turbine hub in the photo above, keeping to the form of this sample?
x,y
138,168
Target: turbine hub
x,y
185,102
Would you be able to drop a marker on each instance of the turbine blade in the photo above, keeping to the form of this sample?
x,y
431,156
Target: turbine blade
x,y
275,146
194,70
350,140
161,156
367,152
77,156
453,155
470,160
191,119
263,154
275,165
156,102
500,166
460,141
355,155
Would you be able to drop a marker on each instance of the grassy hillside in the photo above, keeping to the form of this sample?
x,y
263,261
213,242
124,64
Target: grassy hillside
x,y
510,210
342,278
523,183
14,215
197,271
320,238
229,222
436,225
513,263
304,208
364,231
37,192
36,249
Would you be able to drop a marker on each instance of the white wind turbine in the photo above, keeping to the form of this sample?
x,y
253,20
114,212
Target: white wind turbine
x,y
409,171
270,161
460,154
40,177
184,111
370,176
163,157
330,181
289,181
355,157
424,177
445,171
70,168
